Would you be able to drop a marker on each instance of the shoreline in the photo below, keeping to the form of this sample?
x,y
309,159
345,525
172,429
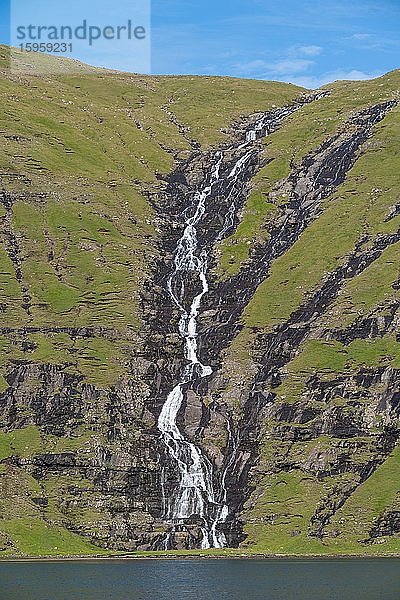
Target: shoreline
x,y
266,557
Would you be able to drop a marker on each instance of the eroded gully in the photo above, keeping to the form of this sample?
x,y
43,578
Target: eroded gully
x,y
192,496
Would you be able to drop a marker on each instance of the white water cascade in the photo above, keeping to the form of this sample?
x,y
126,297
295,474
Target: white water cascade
x,y
194,495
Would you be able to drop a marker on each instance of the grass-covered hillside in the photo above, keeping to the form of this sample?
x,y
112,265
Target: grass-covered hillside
x,y
328,472
80,153
83,158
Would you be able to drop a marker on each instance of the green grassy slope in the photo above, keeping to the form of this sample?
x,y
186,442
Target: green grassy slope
x,y
77,164
300,134
80,153
288,493
78,240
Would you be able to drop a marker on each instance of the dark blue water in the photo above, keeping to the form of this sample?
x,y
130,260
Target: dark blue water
x,y
202,580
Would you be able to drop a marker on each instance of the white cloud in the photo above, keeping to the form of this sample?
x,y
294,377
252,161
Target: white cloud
x,y
314,82
289,66
368,41
310,50
264,69
361,36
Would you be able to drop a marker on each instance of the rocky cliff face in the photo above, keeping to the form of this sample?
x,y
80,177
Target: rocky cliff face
x,y
298,420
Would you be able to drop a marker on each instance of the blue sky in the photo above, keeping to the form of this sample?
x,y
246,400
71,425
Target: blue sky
x,y
308,42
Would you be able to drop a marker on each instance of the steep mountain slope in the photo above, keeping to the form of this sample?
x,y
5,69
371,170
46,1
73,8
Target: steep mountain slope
x,y
298,420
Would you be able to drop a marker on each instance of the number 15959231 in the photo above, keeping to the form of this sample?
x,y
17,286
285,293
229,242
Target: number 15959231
x,y
61,47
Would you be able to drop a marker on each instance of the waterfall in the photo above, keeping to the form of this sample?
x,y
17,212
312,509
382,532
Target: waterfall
x,y
194,495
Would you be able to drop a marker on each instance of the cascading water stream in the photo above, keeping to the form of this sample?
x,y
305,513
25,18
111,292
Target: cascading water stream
x,y
194,496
